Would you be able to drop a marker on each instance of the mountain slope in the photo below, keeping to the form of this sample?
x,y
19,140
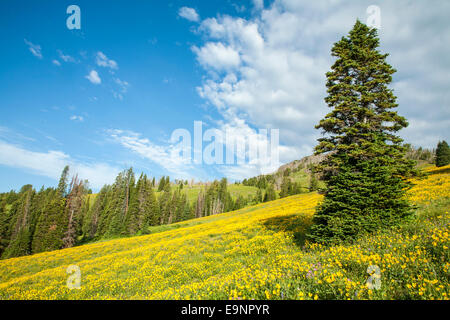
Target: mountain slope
x,y
256,252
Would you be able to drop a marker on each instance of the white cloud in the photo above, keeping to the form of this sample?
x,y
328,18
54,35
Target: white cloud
x,y
189,14
94,77
103,61
117,95
217,56
274,73
258,4
165,156
51,163
77,118
34,49
64,57
122,84
56,63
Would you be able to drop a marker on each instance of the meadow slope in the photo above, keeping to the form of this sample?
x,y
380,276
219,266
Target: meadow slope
x,y
257,252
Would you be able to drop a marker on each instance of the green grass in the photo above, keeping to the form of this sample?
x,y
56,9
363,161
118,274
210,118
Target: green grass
x,y
235,190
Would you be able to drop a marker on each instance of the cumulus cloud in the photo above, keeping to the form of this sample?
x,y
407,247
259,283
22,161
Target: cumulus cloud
x,y
189,14
35,49
103,61
269,70
51,163
94,77
56,63
217,56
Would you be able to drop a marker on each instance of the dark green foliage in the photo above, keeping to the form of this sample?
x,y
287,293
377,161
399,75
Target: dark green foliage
x,y
62,185
313,183
93,216
258,196
260,181
50,226
442,154
19,228
286,187
161,184
270,193
366,166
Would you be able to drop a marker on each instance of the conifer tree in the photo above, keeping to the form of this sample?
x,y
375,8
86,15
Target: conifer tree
x,y
93,220
20,228
313,183
270,193
365,168
165,204
51,226
442,154
286,187
161,184
62,185
258,196
5,219
150,210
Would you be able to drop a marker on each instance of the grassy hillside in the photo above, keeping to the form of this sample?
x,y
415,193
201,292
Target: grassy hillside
x,y
192,192
234,189
256,252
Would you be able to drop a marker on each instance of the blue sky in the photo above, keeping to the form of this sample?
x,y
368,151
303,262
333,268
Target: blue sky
x,y
108,96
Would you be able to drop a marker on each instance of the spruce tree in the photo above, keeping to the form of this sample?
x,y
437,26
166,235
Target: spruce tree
x,y
270,193
365,168
286,187
161,184
442,154
20,224
51,226
62,185
313,183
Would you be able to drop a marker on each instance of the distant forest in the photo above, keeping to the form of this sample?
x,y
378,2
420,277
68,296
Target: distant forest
x,y
53,218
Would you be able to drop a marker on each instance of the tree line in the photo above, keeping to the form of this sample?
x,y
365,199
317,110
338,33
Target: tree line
x,y
54,218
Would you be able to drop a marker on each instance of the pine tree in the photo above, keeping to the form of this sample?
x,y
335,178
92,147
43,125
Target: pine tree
x,y
365,169
442,154
258,196
165,204
161,184
270,193
62,185
286,187
5,222
123,191
94,218
150,210
20,224
51,226
313,183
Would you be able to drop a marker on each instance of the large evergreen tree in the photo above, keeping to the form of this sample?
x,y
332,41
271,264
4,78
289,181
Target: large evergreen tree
x,y
365,168
442,154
